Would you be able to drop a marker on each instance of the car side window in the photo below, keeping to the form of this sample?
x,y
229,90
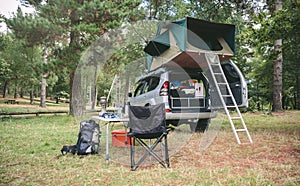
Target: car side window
x,y
139,89
153,82
231,73
146,85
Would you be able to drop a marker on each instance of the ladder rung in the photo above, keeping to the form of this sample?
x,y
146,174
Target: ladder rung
x,y
214,64
222,83
241,130
217,108
226,96
218,73
230,106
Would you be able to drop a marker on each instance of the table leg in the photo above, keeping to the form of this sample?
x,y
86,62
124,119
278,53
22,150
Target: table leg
x,y
107,153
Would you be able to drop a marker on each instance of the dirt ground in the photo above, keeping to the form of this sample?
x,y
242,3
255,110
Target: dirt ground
x,y
274,155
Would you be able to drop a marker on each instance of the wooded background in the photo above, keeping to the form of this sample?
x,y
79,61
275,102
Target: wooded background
x,y
40,51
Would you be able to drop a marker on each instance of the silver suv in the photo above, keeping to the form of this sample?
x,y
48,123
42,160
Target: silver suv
x,y
186,93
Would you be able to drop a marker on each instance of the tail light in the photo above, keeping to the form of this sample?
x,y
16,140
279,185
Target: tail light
x,y
164,90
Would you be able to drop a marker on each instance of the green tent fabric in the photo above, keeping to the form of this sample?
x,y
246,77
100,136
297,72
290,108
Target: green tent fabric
x,y
158,45
210,32
190,34
178,29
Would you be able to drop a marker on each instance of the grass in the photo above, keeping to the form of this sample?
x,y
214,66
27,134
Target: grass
x,y
25,106
30,155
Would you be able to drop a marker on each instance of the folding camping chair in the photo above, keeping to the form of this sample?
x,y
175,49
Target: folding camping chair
x,y
148,122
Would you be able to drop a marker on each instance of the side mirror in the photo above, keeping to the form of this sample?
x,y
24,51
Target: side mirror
x,y
130,94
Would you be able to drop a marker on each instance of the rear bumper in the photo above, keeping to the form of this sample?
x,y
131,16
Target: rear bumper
x,y
199,115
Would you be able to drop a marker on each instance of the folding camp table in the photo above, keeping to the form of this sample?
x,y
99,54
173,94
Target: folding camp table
x,y
109,120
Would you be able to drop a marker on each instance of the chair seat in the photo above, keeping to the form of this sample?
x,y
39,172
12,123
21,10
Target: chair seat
x,y
146,136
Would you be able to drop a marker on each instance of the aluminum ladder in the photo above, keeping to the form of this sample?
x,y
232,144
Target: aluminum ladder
x,y
225,94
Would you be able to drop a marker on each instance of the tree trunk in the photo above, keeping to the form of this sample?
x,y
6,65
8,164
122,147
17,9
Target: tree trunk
x,y
94,95
76,94
16,90
277,76
31,95
22,92
71,94
118,95
94,84
44,82
5,89
297,105
43,91
126,91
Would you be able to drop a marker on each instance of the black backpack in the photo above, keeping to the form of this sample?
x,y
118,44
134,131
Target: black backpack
x,y
88,139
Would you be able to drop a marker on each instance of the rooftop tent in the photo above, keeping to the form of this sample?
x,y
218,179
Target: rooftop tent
x,y
189,35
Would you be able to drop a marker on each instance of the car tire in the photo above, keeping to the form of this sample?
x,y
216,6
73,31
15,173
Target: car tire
x,y
200,126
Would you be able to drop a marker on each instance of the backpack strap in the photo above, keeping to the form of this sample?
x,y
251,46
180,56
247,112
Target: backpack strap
x,y
69,149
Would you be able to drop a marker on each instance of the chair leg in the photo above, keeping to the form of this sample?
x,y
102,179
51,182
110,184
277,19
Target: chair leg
x,y
132,152
166,152
150,152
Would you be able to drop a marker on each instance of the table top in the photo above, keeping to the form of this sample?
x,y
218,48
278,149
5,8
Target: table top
x,y
111,119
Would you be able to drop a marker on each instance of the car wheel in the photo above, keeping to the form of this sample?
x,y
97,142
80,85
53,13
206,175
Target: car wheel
x,y
200,126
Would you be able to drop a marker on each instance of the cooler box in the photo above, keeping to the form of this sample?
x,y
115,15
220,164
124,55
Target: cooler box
x,y
120,139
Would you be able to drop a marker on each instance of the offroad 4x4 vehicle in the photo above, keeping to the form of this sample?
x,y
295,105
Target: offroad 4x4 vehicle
x,y
178,73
